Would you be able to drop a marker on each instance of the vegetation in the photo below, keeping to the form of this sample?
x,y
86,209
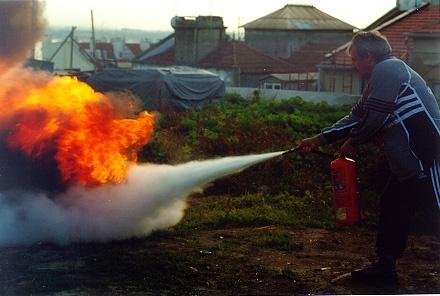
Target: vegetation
x,y
291,190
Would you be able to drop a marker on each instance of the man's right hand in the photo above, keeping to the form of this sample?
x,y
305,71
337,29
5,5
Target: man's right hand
x,y
307,145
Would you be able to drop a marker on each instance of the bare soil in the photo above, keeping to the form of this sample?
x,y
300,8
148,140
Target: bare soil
x,y
215,262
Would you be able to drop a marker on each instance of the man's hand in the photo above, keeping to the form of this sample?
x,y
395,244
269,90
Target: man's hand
x,y
309,144
347,149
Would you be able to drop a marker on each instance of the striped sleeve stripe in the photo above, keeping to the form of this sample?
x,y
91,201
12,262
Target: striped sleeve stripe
x,y
406,98
408,106
339,128
412,108
410,100
435,176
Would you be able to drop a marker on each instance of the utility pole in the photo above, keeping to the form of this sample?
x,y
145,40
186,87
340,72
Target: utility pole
x,y
93,47
71,47
34,11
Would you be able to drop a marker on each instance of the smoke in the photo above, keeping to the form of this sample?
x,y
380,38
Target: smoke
x,y
153,197
21,26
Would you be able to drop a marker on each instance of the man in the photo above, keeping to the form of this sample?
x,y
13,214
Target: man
x,y
398,108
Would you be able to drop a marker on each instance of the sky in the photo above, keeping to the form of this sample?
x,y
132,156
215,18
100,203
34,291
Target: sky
x,y
156,15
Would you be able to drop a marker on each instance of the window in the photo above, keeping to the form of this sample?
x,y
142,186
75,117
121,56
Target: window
x,y
270,85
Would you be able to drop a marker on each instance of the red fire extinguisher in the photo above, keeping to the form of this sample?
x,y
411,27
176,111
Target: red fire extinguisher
x,y
345,195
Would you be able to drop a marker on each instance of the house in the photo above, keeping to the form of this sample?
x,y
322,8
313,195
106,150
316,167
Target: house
x,y
296,81
414,34
116,53
285,31
240,65
68,55
290,41
301,35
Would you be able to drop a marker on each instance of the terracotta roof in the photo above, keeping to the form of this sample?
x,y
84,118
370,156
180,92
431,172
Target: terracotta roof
x,y
298,17
101,46
156,49
238,54
307,57
395,30
135,48
165,58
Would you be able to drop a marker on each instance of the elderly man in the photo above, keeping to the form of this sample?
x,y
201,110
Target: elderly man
x,y
400,109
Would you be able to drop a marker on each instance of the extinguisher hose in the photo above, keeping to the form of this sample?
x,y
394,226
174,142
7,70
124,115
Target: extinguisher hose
x,y
315,151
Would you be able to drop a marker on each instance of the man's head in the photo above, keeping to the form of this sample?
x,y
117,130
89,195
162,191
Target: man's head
x,y
366,50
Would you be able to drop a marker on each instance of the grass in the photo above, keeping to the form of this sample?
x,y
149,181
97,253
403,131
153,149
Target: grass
x,y
258,209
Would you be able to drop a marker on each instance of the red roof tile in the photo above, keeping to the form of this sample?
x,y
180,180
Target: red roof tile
x,y
101,46
135,48
165,58
250,61
308,56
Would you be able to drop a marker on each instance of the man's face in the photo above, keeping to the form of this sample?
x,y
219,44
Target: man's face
x,y
363,65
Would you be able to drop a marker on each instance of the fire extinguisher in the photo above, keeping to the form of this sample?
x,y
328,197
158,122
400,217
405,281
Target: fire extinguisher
x,y
345,194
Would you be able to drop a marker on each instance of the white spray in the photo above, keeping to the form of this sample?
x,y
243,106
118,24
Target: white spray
x,y
153,197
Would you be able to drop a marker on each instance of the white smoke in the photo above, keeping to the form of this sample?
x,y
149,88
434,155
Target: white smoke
x,y
153,197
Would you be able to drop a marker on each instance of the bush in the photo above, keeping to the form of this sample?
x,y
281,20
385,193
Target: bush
x,y
239,127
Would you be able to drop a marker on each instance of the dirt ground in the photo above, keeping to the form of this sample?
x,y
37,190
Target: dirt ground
x,y
215,262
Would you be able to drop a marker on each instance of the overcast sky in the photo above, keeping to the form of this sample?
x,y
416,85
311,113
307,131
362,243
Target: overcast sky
x,y
156,15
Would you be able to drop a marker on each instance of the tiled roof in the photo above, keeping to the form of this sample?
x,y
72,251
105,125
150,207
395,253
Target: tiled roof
x,y
135,48
395,29
249,60
165,58
308,56
101,46
159,48
298,17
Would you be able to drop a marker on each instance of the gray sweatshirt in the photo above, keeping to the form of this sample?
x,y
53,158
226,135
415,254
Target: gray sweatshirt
x,y
398,106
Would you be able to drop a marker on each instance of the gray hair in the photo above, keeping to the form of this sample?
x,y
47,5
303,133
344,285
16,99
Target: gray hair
x,y
370,43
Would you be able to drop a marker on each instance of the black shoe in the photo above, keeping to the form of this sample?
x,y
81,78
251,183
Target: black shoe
x,y
380,271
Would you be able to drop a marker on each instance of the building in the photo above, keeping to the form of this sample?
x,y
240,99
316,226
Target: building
x,y
292,40
283,32
413,30
301,35
68,55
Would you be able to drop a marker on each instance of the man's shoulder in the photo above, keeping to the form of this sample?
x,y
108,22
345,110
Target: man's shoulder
x,y
390,64
390,69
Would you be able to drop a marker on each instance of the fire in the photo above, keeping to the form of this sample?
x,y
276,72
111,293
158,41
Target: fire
x,y
61,117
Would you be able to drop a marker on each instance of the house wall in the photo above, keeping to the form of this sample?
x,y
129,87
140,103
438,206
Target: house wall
x,y
62,59
311,96
339,80
282,44
424,58
305,85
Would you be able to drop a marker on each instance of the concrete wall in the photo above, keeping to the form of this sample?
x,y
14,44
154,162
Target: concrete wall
x,y
195,38
282,44
329,97
343,80
62,59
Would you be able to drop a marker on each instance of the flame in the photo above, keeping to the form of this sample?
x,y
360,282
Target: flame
x,y
81,129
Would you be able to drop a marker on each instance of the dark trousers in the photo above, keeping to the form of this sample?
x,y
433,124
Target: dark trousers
x,y
398,204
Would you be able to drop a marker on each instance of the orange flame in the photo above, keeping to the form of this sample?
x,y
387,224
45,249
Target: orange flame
x,y
90,140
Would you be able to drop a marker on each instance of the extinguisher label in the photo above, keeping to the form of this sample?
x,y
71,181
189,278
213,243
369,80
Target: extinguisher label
x,y
337,182
341,214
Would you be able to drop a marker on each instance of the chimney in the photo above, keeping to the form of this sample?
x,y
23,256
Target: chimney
x,y
196,37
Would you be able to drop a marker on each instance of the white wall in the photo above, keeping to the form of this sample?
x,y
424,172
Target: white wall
x,y
62,59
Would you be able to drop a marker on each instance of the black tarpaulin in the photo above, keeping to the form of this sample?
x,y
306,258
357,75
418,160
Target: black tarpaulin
x,y
163,88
